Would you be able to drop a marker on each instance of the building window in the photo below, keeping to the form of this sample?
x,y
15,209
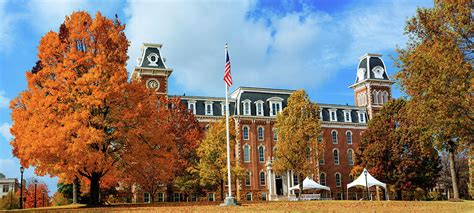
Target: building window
x,y
192,106
259,106
275,105
295,179
161,197
6,188
374,98
146,197
209,110
320,138
349,137
260,133
338,179
223,108
246,132
264,196
336,156
211,197
332,115
361,117
347,116
248,196
350,157
321,158
246,153
176,197
379,95
322,179
262,178
334,136
275,134
247,109
261,154
247,179
385,97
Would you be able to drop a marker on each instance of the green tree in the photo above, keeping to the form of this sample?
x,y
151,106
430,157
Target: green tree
x,y
396,152
436,71
298,130
212,153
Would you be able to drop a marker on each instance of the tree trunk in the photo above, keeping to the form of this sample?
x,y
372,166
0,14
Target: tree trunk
x,y
94,189
452,169
300,183
75,189
222,191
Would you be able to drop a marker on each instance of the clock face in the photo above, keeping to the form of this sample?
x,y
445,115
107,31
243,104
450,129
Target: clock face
x,y
153,84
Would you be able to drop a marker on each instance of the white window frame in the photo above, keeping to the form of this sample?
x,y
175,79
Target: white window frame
x,y
352,136
247,103
247,196
347,119
161,197
260,159
361,116
208,103
259,104
332,137
264,178
248,132
264,196
258,133
211,196
193,109
278,103
248,176
331,118
249,156
350,157
385,96
145,197
320,114
223,110
336,159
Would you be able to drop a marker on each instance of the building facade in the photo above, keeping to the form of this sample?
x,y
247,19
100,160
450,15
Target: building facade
x,y
7,185
254,110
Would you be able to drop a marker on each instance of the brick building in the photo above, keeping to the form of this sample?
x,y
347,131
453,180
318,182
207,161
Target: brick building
x,y
254,110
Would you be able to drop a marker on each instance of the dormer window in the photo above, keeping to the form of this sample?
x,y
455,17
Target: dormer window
x,y
347,116
361,116
223,108
247,109
192,106
259,107
209,110
275,105
332,114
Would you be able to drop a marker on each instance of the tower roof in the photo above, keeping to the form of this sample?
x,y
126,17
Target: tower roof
x,y
371,66
151,57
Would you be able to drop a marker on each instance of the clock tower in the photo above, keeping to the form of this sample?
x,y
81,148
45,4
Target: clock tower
x,y
152,70
372,87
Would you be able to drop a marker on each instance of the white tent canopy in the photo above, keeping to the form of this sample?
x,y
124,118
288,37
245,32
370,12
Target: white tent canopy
x,y
310,184
371,181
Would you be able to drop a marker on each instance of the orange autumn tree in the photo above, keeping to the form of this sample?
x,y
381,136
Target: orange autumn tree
x,y
79,113
42,195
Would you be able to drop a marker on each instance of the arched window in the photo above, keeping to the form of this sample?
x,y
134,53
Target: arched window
x,y
262,178
275,134
380,98
259,106
350,157
349,137
246,153
247,179
321,158
336,156
260,133
246,132
334,136
322,179
248,196
374,98
247,108
338,179
385,97
261,154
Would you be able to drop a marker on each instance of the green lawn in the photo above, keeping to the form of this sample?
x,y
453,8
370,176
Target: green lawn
x,y
305,206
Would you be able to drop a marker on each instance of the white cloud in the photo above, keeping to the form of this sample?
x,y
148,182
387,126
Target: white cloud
x,y
4,100
5,131
300,53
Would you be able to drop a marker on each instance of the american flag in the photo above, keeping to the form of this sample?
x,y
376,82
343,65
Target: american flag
x,y
227,77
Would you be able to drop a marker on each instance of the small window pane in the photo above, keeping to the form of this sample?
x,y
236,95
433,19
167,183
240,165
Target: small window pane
x,y
260,133
262,178
246,133
336,157
261,154
349,137
334,137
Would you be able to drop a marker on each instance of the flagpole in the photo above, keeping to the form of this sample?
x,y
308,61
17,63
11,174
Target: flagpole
x,y
227,134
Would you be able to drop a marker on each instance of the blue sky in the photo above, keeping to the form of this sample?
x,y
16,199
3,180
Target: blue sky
x,y
312,44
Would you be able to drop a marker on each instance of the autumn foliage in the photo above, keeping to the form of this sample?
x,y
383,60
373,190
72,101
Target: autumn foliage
x,y
42,197
298,129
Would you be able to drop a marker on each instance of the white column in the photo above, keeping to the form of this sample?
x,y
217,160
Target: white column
x,y
288,182
292,181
